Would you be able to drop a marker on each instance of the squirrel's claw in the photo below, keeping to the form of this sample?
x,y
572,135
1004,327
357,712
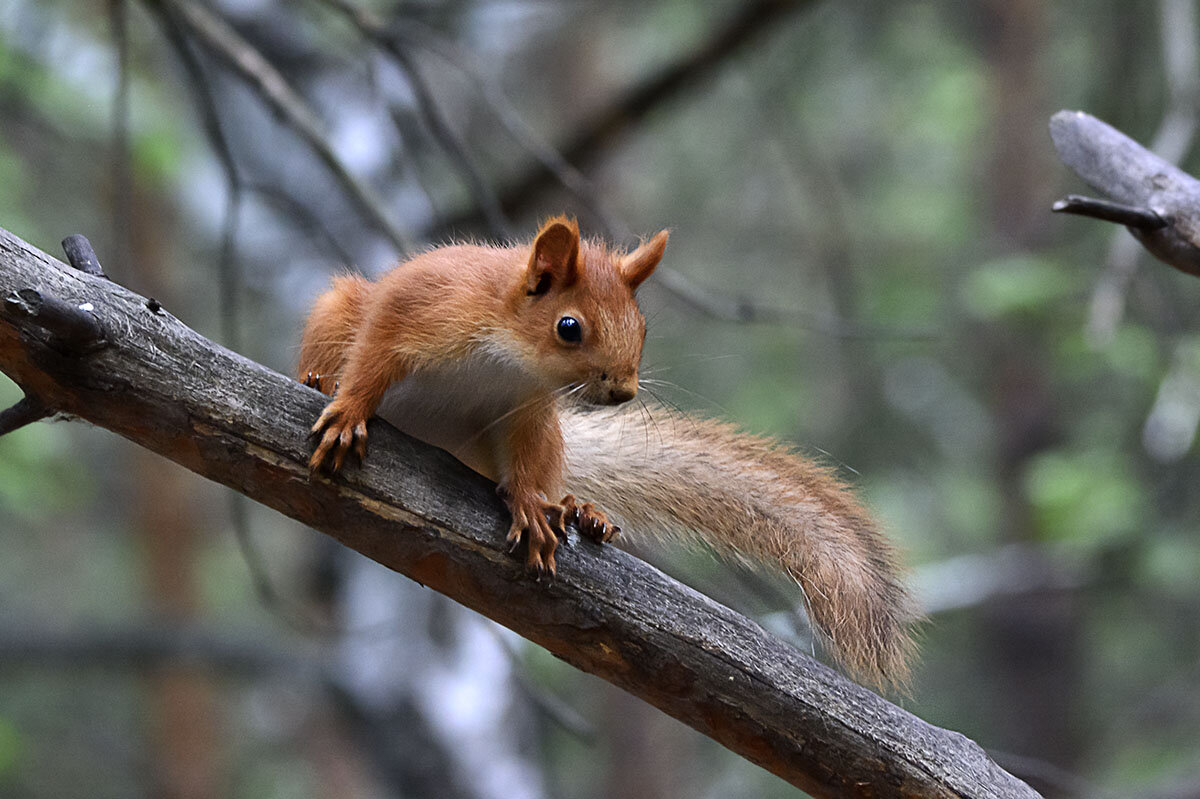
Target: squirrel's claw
x,y
591,521
319,381
339,435
537,523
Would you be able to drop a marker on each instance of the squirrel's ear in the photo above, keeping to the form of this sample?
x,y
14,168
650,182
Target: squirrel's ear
x,y
638,265
555,257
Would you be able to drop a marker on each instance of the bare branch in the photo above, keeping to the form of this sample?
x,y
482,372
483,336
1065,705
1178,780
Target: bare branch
x,y
745,311
590,139
455,149
122,172
28,410
312,224
492,93
1117,165
151,647
250,65
543,701
557,168
418,511
227,267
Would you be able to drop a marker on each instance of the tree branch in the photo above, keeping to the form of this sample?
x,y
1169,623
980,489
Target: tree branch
x,y
151,647
1133,176
420,512
27,411
1172,141
274,90
582,145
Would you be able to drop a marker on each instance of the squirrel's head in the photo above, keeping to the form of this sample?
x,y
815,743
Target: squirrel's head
x,y
578,313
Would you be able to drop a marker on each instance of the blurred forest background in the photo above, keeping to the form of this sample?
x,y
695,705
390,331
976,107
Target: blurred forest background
x,y
862,262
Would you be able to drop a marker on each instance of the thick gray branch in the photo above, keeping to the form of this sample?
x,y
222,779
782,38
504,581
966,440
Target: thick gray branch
x,y
1132,175
420,512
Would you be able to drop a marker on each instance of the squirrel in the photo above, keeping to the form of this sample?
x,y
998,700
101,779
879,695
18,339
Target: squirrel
x,y
521,361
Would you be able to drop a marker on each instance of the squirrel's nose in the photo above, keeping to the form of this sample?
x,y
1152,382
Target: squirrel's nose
x,y
619,394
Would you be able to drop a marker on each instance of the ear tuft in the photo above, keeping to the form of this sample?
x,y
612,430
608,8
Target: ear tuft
x,y
639,264
554,260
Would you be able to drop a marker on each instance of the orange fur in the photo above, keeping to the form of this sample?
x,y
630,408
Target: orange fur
x,y
462,346
494,310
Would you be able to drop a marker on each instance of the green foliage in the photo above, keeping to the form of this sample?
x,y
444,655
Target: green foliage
x,y
1088,498
1014,285
10,749
34,473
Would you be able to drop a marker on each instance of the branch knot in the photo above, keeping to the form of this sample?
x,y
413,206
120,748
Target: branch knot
x,y
73,329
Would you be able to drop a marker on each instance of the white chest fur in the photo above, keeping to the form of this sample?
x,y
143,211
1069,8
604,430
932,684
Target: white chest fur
x,y
460,407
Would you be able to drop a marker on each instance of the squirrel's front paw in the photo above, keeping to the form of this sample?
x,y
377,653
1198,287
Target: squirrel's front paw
x,y
538,522
340,431
591,521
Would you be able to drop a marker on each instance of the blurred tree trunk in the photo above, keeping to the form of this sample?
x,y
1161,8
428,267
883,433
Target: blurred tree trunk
x,y
646,749
1029,642
184,709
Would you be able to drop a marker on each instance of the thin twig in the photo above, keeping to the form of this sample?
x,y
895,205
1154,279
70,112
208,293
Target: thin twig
x,y
230,280
372,27
453,146
545,702
746,311
122,219
413,148
310,223
229,275
498,224
271,86
491,92
150,647
1108,211
589,140
268,595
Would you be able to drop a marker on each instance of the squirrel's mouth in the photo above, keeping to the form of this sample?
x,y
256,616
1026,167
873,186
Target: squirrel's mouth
x,y
603,394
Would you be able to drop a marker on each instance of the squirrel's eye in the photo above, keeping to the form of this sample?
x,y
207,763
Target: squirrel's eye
x,y
569,330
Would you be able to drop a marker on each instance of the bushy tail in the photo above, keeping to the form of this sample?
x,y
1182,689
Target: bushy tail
x,y
658,472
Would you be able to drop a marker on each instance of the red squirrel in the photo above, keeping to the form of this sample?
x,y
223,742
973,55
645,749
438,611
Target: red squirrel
x,y
521,361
